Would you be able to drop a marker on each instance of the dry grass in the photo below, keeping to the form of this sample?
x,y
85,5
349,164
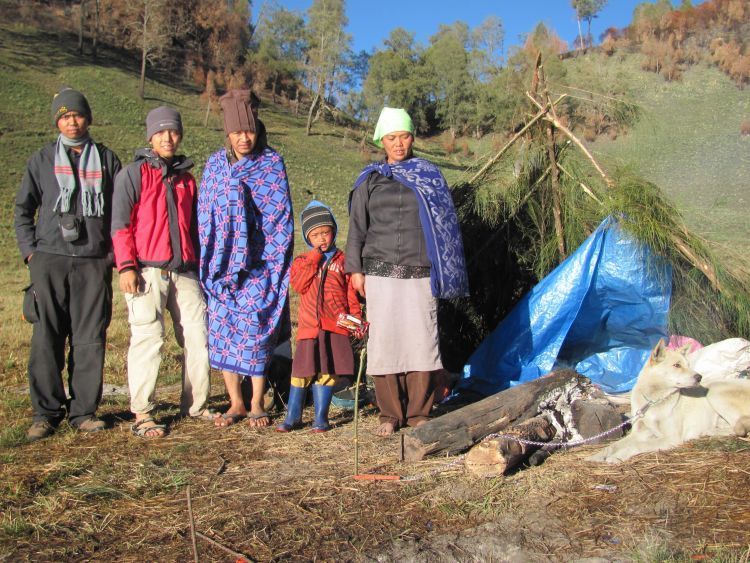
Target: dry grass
x,y
291,497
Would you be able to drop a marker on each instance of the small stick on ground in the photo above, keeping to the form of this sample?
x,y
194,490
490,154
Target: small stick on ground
x,y
362,355
192,525
231,552
222,466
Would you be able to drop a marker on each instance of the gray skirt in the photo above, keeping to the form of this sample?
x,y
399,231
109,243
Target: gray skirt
x,y
403,333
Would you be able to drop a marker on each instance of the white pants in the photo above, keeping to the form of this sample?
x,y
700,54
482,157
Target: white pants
x,y
182,296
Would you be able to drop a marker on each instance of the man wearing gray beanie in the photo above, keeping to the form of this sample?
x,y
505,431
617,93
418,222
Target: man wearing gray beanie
x,y
62,216
154,230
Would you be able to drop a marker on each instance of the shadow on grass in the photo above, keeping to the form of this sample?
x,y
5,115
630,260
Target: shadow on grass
x,y
36,52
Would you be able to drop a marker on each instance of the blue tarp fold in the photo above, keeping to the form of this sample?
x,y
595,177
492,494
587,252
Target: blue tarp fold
x,y
600,312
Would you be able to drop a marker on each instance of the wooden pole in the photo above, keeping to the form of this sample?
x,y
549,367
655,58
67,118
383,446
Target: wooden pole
x,y
362,356
572,137
584,187
554,174
237,555
500,153
208,110
192,526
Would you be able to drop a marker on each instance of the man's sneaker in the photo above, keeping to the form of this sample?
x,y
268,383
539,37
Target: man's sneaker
x,y
90,425
39,429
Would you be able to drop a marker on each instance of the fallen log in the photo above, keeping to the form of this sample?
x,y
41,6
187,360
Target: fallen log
x,y
457,431
497,456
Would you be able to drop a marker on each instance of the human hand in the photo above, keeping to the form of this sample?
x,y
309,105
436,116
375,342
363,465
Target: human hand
x,y
358,283
361,332
129,281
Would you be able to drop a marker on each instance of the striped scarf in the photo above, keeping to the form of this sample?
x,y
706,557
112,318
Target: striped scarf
x,y
89,174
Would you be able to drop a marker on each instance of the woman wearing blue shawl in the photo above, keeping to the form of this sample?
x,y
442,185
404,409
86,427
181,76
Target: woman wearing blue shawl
x,y
404,251
245,228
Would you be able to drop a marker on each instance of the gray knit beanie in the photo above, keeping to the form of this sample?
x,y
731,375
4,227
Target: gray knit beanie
x,y
67,100
161,119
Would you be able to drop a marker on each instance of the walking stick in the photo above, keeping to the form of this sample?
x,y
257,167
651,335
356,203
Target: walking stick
x,y
362,356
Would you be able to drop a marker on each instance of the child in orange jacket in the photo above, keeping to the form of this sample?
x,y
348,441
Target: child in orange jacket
x,y
323,350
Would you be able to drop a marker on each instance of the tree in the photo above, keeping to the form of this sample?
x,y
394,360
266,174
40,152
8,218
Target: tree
x,y
279,44
328,44
396,78
95,34
221,39
647,17
485,60
151,34
448,64
586,10
487,43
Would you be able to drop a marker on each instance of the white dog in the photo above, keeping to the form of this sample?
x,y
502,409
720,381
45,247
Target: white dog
x,y
670,407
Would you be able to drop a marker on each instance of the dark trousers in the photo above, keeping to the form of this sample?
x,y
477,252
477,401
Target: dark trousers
x,y
74,303
404,398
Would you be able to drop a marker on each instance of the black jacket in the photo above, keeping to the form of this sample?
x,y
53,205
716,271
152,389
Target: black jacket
x,y
38,193
384,225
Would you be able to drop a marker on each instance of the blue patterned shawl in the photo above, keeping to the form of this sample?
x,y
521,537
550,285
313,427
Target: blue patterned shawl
x,y
437,213
245,228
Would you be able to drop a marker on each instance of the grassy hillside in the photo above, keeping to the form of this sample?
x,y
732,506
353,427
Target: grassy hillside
x,y
687,141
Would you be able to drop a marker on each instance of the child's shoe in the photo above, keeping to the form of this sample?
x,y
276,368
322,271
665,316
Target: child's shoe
x,y
322,395
293,409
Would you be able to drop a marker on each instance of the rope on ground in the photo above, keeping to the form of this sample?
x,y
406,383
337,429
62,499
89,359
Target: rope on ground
x,y
569,444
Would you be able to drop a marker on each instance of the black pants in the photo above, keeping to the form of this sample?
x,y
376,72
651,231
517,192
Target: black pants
x,y
74,303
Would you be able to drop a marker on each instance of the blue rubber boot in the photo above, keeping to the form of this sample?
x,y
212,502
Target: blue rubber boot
x,y
293,409
322,395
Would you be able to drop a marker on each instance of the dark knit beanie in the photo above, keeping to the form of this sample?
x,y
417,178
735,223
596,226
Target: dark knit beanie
x,y
237,106
317,216
161,119
67,100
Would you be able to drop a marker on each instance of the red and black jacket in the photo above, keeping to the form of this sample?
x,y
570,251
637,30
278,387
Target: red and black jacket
x,y
320,305
154,215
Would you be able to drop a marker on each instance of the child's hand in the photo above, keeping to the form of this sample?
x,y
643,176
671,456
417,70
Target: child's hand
x,y
361,332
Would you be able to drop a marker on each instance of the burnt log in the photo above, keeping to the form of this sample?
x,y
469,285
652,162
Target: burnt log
x,y
457,431
497,456
594,416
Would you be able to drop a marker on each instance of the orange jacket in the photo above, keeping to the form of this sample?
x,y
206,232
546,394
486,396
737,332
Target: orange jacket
x,y
319,308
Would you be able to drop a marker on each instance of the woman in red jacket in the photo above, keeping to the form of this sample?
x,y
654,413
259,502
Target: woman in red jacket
x,y
323,349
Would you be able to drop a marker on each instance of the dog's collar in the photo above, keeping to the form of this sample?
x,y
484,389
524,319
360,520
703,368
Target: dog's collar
x,y
641,411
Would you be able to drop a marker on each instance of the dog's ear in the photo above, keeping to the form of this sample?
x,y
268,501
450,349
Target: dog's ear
x,y
685,350
657,354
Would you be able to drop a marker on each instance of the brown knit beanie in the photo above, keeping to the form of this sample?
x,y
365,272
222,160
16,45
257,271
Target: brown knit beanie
x,y
238,106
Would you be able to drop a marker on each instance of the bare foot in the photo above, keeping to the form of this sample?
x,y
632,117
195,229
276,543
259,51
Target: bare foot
x,y
418,424
229,418
385,429
206,414
258,419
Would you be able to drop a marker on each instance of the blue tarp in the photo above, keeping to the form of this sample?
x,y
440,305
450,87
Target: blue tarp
x,y
600,312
